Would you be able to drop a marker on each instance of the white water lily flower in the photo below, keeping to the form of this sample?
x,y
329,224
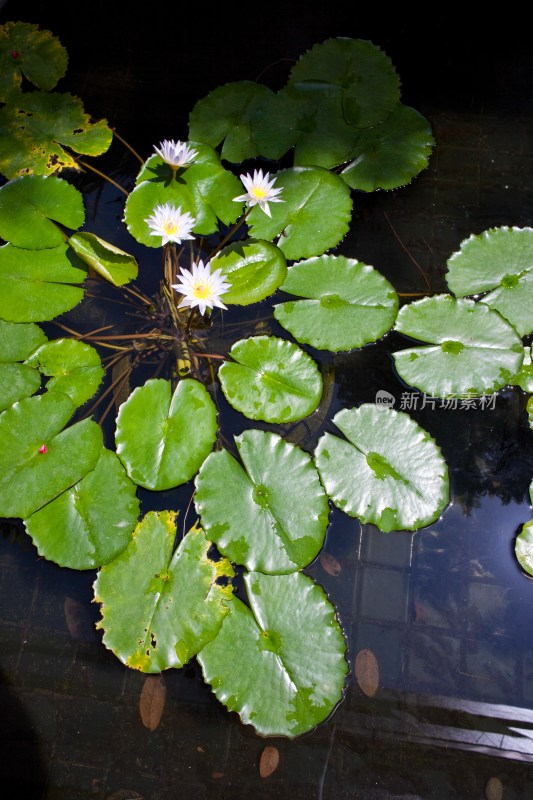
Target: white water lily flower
x,y
177,154
201,287
259,191
168,221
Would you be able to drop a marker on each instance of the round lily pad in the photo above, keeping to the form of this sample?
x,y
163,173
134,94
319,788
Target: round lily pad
x,y
17,342
163,438
271,379
387,470
280,663
30,207
269,513
90,523
159,606
313,217
37,284
38,459
73,367
498,261
255,269
475,350
346,303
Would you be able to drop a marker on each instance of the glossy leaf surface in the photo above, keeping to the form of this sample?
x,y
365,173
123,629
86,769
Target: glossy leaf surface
x,y
387,470
271,379
280,663
110,262
30,477
345,304
475,350
313,217
255,269
390,154
17,342
160,607
498,261
31,206
91,523
38,285
274,517
163,438
73,368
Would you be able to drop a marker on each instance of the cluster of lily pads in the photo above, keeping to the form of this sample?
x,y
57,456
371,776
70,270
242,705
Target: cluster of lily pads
x,y
262,502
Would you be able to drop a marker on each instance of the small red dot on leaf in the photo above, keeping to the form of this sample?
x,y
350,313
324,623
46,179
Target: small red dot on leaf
x,y
43,449
14,54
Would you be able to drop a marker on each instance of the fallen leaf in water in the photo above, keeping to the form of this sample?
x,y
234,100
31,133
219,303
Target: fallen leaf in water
x,y
494,789
367,672
79,623
330,564
152,702
217,775
269,761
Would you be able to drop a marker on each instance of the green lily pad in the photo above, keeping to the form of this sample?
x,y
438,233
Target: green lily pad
x,y
31,206
37,285
74,368
524,376
163,438
110,262
475,350
29,52
498,261
270,513
255,269
313,217
205,190
369,83
160,608
524,547
271,379
227,115
91,523
36,127
17,342
390,154
387,471
347,304
38,459
280,663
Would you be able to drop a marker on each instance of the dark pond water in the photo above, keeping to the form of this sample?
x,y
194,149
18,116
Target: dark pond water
x,y
447,611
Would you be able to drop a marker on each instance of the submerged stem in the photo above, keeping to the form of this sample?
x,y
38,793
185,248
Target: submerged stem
x,y
103,175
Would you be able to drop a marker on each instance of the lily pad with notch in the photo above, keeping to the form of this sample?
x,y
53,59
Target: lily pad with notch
x,y
38,459
90,523
160,606
497,263
271,379
17,342
387,470
474,349
254,268
267,512
162,438
73,367
346,304
280,662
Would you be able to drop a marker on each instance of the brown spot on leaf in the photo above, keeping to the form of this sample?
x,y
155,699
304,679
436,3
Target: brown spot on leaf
x,y
152,701
367,672
269,761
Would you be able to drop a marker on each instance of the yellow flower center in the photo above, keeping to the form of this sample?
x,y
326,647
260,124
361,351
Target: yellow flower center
x,y
259,192
201,291
170,227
